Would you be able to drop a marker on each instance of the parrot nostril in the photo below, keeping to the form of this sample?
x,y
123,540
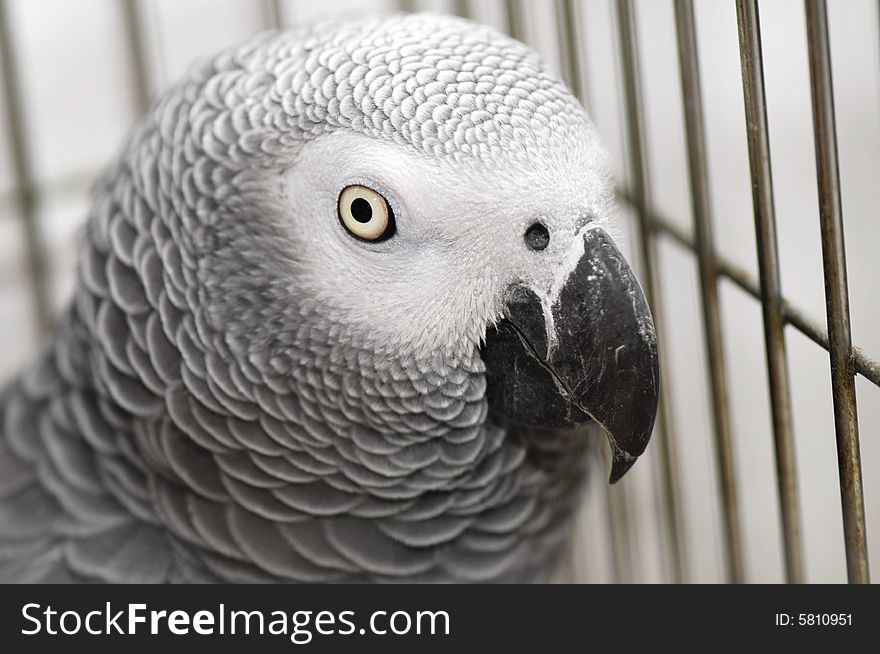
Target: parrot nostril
x,y
537,237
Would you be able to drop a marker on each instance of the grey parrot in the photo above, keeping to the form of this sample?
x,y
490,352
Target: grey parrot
x,y
348,308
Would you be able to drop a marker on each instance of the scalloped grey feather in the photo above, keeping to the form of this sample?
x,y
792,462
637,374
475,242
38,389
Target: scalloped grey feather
x,y
157,440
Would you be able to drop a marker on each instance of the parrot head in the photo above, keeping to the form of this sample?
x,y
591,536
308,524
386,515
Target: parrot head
x,y
424,190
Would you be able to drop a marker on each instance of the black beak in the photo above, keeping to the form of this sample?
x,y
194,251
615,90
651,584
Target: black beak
x,y
589,353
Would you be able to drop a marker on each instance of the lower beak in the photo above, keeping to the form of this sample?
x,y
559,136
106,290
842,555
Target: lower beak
x,y
587,354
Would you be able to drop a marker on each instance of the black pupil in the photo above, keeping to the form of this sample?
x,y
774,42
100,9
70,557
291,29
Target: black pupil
x,y
361,210
537,237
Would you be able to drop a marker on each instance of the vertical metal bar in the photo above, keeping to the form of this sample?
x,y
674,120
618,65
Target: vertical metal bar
x,y
23,169
567,24
514,15
461,8
407,5
273,14
639,185
138,52
758,136
618,529
708,268
836,293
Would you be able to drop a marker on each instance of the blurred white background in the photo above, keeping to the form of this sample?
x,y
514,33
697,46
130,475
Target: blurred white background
x,y
75,70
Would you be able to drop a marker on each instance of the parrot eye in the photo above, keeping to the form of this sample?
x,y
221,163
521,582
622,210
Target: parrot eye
x,y
365,213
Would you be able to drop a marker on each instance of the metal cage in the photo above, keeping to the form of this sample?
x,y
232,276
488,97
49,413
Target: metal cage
x,y
846,360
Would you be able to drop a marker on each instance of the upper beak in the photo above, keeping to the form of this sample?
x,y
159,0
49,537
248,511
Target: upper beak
x,y
589,352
